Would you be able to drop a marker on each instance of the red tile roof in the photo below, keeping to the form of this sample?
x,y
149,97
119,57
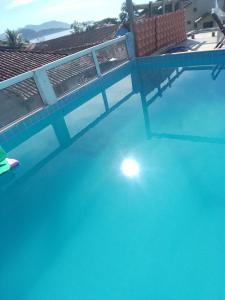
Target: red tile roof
x,y
13,63
76,42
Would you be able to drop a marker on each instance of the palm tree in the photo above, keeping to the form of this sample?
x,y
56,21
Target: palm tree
x,y
14,39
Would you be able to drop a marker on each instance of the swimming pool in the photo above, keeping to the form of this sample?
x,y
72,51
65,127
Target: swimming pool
x,y
120,192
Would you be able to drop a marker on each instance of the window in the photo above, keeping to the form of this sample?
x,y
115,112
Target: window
x,y
194,9
177,6
189,22
208,24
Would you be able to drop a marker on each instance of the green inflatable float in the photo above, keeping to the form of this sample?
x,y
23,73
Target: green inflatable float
x,y
6,163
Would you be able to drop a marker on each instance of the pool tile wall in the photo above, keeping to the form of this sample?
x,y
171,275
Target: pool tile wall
x,y
183,59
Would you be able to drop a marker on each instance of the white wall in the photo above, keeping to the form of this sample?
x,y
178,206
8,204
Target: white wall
x,y
202,6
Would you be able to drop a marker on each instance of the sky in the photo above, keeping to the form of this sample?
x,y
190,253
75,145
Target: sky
x,y
18,13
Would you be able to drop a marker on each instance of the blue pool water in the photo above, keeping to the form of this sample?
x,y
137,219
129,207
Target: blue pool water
x,y
76,224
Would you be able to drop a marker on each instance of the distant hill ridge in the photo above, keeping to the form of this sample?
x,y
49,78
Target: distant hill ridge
x,y
48,25
31,32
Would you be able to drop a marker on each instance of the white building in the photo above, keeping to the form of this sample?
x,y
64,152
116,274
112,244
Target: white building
x,y
198,14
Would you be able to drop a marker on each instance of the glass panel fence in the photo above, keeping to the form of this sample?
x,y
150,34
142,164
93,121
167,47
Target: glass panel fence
x,y
69,76
112,56
19,100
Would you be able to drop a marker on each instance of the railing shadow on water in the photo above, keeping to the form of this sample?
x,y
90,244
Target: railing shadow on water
x,y
175,74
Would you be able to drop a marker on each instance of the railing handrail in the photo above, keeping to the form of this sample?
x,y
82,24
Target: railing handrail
x,y
81,53
21,77
16,79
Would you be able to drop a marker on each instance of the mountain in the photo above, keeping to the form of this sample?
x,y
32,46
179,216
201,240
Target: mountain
x,y
2,37
49,25
29,34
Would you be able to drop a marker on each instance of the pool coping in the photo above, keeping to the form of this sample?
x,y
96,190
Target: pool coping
x,y
198,58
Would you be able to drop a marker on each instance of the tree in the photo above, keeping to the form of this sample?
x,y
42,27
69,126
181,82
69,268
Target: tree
x,y
123,16
14,39
77,27
91,25
83,26
88,25
113,21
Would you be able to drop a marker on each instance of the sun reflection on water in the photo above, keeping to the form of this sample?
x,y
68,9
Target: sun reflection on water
x,y
130,167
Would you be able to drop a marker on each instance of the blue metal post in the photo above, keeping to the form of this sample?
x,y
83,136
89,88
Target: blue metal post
x,y
44,87
130,45
98,70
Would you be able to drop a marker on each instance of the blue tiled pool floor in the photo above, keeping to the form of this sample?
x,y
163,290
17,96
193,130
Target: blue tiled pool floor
x,y
74,225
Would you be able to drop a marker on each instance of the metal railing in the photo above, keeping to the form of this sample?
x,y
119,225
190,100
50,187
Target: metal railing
x,y
43,80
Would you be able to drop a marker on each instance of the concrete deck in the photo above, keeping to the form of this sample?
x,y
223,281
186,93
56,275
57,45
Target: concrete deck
x,y
203,41
200,42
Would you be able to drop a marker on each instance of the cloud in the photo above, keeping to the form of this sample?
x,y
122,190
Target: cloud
x,y
17,3
80,9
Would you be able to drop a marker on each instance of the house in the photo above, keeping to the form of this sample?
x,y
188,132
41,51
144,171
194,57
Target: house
x,y
198,14
77,41
205,21
13,63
